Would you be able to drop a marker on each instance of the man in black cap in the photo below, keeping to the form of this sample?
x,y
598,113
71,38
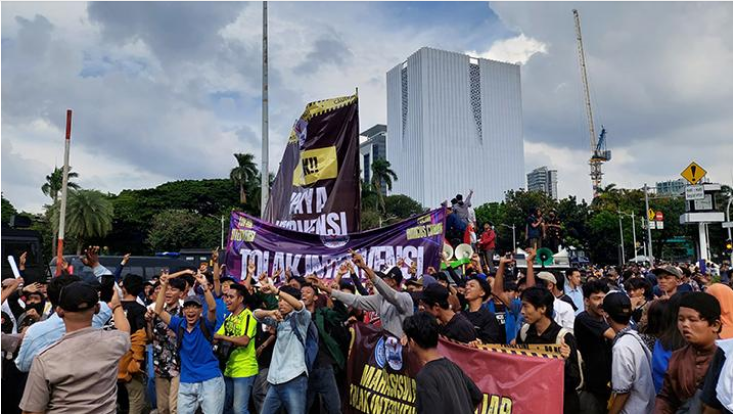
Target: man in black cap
x,y
390,302
63,379
631,372
434,300
488,329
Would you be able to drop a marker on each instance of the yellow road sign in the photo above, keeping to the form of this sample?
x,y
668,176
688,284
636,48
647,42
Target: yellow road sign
x,y
651,214
693,173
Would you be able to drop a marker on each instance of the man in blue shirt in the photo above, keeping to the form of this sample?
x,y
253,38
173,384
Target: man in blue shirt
x,y
288,374
574,289
201,382
41,335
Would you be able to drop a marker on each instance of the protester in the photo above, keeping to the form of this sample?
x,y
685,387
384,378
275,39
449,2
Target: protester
x,y
434,300
455,228
487,246
329,322
132,365
165,347
540,328
487,328
638,289
236,343
510,308
699,322
461,208
594,338
288,373
64,380
534,229
442,387
669,338
390,303
716,395
724,295
201,383
564,314
573,288
553,231
631,375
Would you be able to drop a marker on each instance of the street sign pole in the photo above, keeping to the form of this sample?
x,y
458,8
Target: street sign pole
x,y
648,229
727,218
633,232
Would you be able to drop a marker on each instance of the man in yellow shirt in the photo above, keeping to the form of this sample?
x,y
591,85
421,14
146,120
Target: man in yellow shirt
x,y
236,336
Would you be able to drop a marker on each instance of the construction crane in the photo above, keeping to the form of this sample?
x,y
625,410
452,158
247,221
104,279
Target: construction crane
x,y
599,153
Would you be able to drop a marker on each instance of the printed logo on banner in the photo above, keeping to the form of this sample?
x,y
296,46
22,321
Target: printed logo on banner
x,y
335,241
379,354
315,165
394,353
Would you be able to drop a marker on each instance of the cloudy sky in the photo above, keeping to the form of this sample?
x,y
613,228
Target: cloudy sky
x,y
165,91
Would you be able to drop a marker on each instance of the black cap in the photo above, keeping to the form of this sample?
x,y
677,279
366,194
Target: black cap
x,y
78,297
394,273
484,285
617,305
667,270
193,300
441,276
434,293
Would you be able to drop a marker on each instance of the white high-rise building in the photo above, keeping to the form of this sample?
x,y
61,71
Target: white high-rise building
x,y
455,123
544,180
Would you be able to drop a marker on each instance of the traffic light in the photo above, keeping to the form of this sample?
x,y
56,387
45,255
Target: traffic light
x,y
729,246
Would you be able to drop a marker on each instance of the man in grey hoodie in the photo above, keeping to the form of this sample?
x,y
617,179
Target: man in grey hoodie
x,y
390,302
461,208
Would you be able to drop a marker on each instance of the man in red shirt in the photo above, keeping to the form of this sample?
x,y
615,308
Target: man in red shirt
x,y
487,244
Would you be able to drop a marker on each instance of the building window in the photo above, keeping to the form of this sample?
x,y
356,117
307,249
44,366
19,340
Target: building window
x,y
375,152
474,73
367,168
404,99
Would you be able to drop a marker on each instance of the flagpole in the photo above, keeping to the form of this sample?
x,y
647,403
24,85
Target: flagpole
x,y
64,190
265,183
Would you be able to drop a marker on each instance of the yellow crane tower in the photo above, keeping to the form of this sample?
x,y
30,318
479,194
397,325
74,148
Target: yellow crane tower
x,y
599,153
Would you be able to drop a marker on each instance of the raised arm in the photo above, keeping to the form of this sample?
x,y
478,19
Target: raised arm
x,y
498,289
118,313
162,314
389,294
210,302
531,255
357,280
217,272
292,301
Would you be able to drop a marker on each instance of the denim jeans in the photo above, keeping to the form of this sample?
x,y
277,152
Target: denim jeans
x,y
259,389
238,391
323,381
209,395
291,395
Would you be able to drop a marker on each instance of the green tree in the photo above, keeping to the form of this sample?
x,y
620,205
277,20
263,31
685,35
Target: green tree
x,y
176,229
89,215
382,173
8,210
54,183
243,174
400,207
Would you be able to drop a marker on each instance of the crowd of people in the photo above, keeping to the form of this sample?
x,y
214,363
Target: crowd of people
x,y
634,339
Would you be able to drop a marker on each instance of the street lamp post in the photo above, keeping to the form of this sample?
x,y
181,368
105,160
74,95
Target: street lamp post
x,y
621,229
633,232
727,218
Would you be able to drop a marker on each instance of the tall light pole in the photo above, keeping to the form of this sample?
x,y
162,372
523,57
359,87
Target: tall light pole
x,y
621,229
265,183
648,229
727,215
633,231
64,191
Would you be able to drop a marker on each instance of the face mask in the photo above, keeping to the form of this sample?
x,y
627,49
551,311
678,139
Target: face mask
x,y
37,306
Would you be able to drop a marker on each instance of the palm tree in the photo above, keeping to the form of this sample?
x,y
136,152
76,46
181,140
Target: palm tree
x,y
53,187
243,173
89,214
54,182
382,173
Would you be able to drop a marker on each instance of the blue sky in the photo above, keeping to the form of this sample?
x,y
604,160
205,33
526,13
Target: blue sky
x,y
165,91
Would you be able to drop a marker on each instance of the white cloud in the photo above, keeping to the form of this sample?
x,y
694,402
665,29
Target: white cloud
x,y
517,50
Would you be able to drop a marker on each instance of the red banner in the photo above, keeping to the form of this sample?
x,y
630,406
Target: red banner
x,y
381,376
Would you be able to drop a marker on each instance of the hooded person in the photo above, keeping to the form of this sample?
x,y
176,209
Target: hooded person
x,y
724,294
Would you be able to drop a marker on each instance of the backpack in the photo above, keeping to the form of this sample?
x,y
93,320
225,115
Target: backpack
x,y
310,344
558,340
